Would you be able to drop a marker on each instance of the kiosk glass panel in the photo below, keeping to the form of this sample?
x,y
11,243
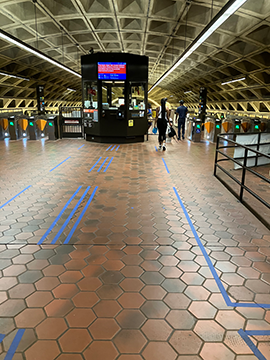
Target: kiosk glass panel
x,y
137,97
90,95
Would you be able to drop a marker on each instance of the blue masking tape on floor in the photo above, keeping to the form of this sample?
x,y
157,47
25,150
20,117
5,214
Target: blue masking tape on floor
x,y
95,164
14,344
211,266
81,216
108,164
102,164
165,166
109,147
15,196
250,344
60,163
70,216
59,216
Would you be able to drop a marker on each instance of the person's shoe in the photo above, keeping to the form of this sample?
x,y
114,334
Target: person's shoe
x,y
164,147
178,139
159,147
183,137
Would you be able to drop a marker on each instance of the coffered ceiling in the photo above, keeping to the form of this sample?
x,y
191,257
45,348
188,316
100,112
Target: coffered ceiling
x,y
159,29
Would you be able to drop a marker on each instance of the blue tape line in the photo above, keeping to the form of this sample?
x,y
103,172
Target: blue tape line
x,y
70,216
209,262
250,344
165,166
95,164
257,332
113,147
80,217
108,165
14,344
248,305
109,147
102,164
2,336
211,266
156,148
117,147
58,217
60,163
81,147
15,196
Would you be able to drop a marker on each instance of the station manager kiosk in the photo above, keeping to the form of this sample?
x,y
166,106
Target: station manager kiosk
x,y
115,97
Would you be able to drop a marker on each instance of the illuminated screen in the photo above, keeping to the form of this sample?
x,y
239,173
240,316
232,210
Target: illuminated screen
x,y
112,70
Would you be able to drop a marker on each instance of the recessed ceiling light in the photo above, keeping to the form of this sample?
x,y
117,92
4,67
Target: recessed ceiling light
x,y
232,81
11,39
13,76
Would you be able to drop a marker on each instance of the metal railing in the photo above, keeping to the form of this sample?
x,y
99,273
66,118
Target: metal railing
x,y
223,144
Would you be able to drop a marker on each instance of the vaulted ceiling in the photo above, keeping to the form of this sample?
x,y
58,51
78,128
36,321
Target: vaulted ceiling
x,y
159,29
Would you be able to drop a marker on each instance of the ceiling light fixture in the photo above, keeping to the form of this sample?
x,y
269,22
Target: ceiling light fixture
x,y
70,89
11,39
13,76
187,92
229,9
232,81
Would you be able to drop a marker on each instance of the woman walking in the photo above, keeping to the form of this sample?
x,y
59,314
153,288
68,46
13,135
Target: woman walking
x,y
162,119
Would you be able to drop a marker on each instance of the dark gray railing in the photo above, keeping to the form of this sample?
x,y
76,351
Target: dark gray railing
x,y
223,143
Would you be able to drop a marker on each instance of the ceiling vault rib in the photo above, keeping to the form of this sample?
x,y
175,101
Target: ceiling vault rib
x,y
184,12
44,9
118,26
150,3
79,7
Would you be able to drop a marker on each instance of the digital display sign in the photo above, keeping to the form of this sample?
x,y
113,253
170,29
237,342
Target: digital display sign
x,y
112,70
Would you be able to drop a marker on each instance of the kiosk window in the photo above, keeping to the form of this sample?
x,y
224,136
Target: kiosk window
x,y
90,95
137,97
113,95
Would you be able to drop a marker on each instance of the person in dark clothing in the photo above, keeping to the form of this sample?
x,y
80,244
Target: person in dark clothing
x,y
162,120
181,114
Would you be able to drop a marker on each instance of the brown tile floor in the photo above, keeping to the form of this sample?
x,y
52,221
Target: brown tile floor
x,y
132,284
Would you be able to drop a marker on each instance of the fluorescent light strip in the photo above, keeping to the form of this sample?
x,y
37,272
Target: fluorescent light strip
x,y
201,38
25,47
232,81
70,89
187,92
14,76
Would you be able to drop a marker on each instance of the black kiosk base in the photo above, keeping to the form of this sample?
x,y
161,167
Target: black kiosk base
x,y
115,97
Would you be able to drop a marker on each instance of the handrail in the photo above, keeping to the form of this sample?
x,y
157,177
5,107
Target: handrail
x,y
245,168
246,146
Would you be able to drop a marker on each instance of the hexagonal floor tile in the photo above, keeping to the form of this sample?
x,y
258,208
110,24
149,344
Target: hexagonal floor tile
x,y
80,318
130,341
104,329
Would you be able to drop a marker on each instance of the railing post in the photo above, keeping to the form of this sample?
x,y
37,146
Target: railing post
x,y
243,175
258,148
216,156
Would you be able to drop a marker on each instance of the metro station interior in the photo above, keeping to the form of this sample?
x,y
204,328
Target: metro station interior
x,y
112,248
